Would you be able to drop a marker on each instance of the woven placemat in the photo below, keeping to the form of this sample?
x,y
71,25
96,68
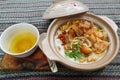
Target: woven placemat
x,y
31,11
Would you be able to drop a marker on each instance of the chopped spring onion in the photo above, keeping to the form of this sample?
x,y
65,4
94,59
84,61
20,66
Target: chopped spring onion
x,y
74,53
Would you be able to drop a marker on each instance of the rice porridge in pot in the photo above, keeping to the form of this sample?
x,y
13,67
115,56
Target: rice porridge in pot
x,y
81,41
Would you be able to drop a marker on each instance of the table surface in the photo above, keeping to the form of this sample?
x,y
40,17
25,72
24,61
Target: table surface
x,y
31,11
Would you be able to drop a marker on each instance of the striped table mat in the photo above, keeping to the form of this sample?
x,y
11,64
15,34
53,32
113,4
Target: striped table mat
x,y
31,11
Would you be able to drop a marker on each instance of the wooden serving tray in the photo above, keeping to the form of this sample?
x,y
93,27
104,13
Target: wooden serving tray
x,y
36,61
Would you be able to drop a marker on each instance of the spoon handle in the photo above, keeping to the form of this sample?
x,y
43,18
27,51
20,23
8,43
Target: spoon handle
x,y
53,65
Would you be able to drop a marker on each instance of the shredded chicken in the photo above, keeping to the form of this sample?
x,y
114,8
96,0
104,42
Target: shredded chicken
x,y
78,31
71,34
100,46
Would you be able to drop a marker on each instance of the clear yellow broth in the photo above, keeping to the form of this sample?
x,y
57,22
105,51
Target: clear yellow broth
x,y
22,42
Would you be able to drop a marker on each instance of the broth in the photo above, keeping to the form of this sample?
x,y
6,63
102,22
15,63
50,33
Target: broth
x,y
22,42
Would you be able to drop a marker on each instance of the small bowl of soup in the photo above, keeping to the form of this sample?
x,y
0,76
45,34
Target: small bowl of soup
x,y
19,40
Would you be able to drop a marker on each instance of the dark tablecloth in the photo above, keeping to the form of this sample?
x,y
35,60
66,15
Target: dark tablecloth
x,y
31,11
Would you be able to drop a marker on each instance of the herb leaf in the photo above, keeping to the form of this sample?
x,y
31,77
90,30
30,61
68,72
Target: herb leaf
x,y
78,46
74,54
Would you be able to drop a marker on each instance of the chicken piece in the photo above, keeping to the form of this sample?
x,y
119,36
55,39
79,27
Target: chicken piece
x,y
78,31
93,57
85,49
91,25
71,34
92,31
67,38
99,34
86,35
87,24
105,36
92,38
100,46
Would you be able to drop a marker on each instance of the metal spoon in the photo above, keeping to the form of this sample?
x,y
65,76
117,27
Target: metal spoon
x,y
52,64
